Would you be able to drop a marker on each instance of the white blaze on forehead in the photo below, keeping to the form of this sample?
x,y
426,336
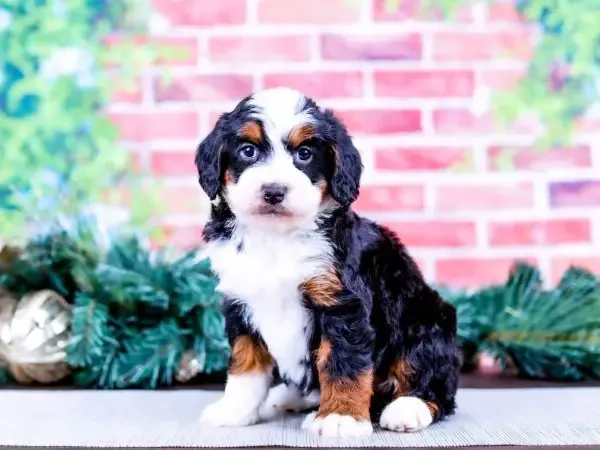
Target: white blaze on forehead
x,y
280,111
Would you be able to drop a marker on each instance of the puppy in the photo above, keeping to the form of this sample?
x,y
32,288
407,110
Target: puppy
x,y
324,310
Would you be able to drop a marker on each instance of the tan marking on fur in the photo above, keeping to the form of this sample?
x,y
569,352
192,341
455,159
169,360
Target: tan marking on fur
x,y
249,356
322,289
434,409
400,375
300,134
229,177
345,396
324,188
323,353
252,132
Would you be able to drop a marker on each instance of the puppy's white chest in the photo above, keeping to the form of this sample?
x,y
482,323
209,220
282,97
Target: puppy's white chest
x,y
264,272
263,269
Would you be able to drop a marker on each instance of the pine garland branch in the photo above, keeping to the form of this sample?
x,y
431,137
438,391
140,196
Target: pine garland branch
x,y
90,332
98,372
131,287
552,334
194,284
217,355
150,358
135,312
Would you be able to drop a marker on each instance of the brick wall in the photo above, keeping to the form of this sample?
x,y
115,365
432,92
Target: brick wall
x,y
413,91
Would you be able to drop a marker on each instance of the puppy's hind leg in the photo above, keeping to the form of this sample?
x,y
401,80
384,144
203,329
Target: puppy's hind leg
x,y
423,380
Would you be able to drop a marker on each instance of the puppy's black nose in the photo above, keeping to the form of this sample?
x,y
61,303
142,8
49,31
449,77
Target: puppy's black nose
x,y
273,193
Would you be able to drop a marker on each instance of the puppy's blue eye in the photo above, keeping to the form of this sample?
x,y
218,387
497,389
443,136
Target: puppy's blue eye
x,y
248,152
303,155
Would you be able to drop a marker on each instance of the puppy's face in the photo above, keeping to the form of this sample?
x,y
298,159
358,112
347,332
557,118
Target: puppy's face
x,y
279,160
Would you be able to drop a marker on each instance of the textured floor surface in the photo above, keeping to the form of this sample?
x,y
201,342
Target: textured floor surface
x,y
548,416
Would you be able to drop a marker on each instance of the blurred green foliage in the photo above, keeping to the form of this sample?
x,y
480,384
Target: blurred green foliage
x,y
58,151
562,82
139,317
550,334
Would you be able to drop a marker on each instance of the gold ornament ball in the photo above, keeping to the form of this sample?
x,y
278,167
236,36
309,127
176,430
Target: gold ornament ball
x,y
34,333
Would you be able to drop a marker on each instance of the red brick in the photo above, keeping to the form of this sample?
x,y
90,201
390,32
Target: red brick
x,y
202,13
588,124
549,232
504,80
213,117
461,121
320,84
424,83
370,47
182,237
131,93
575,193
475,272
560,264
384,10
203,88
527,158
435,233
383,198
259,49
147,126
504,11
181,199
484,197
308,11
173,163
422,263
401,10
180,51
421,158
470,46
381,121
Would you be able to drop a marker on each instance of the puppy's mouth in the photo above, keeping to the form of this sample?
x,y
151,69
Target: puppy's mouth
x,y
272,211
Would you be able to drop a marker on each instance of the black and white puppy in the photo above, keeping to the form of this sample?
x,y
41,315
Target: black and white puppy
x,y
324,309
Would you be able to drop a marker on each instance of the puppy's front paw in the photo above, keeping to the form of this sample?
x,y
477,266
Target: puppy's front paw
x,y
406,414
226,413
337,425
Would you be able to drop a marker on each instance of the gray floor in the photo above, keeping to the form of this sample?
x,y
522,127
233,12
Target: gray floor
x,y
498,417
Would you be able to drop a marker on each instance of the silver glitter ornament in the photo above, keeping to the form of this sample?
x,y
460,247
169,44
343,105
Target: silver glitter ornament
x,y
34,332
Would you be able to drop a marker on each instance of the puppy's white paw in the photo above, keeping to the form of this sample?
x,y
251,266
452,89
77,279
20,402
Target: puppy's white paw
x,y
406,414
283,398
227,413
337,425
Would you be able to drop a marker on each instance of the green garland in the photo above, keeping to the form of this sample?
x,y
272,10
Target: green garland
x,y
137,313
539,333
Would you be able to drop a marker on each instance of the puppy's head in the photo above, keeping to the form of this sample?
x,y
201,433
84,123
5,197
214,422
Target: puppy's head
x,y
278,159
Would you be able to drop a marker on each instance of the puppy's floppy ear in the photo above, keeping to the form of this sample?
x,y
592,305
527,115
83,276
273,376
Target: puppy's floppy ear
x,y
208,161
348,164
